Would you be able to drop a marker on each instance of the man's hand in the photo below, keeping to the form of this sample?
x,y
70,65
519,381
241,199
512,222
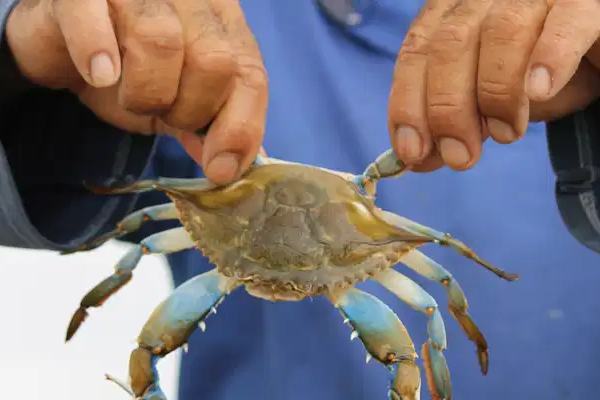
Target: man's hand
x,y
153,66
469,69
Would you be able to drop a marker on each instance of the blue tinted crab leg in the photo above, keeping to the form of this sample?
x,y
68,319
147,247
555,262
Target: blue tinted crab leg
x,y
457,302
412,294
445,239
173,184
386,165
170,326
166,242
131,223
385,338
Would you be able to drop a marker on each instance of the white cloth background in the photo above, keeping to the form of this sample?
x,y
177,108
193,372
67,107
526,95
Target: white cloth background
x,y
38,292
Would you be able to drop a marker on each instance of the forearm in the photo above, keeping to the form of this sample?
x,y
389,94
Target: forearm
x,y
49,145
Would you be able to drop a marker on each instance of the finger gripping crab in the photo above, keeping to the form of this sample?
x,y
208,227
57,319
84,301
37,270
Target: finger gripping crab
x,y
284,232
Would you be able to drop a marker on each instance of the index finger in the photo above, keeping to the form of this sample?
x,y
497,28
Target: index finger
x,y
234,138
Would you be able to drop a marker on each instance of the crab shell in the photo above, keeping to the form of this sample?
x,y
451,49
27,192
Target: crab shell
x,y
288,231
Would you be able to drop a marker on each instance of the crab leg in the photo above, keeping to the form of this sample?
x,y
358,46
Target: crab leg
x,y
174,184
445,239
170,326
386,165
412,294
385,338
130,223
457,302
170,241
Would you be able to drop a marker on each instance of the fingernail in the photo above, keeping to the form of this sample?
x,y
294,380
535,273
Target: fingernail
x,y
454,153
501,131
409,143
540,82
223,168
102,70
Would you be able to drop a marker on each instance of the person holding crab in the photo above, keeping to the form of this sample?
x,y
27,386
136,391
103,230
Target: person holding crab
x,y
441,77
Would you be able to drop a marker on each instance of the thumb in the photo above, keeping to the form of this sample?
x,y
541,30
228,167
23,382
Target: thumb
x,y
90,39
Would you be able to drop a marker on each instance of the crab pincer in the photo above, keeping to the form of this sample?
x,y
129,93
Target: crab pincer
x,y
384,337
170,326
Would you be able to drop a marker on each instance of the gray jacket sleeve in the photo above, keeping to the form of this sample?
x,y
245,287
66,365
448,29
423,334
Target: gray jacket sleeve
x,y
49,145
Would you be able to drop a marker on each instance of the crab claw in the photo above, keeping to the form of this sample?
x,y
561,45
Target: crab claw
x,y
403,384
143,375
170,326
385,338
436,370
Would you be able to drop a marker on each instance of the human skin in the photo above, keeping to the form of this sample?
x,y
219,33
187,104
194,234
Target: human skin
x,y
153,66
469,69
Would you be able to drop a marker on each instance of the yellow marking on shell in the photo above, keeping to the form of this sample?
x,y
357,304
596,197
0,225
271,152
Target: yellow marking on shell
x,y
226,196
368,223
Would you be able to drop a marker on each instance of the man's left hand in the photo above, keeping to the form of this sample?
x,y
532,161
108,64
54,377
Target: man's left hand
x,y
469,69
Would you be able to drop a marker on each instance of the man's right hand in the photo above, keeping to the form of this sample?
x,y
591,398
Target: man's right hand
x,y
153,66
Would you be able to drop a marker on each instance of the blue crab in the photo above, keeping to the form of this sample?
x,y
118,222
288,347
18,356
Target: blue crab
x,y
284,232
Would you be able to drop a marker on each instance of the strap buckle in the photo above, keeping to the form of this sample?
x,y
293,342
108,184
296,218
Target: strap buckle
x,y
577,180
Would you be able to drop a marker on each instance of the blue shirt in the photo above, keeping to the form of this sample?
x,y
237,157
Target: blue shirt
x,y
328,102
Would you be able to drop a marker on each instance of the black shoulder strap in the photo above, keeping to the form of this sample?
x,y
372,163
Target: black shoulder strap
x,y
574,144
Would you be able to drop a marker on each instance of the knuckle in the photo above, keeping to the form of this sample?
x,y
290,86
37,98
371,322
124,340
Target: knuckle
x,y
139,97
451,39
491,90
415,44
445,111
115,4
164,37
145,104
219,63
506,26
254,75
241,135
